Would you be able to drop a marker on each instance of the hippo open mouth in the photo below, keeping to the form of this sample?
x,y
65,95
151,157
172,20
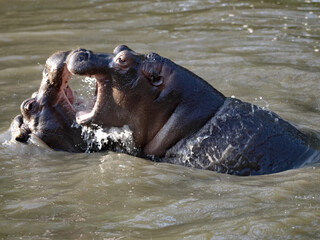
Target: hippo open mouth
x,y
82,62
122,69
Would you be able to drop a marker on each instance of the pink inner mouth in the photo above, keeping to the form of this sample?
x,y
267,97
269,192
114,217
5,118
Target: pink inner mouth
x,y
69,94
80,103
83,105
102,90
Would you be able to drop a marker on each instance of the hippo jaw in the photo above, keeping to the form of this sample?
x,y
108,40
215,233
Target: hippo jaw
x,y
115,73
146,92
123,78
49,114
97,65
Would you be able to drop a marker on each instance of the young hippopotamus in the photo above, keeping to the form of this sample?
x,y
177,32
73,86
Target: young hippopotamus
x,y
49,114
177,117
174,115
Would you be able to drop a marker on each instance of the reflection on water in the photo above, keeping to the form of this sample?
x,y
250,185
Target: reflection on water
x,y
264,52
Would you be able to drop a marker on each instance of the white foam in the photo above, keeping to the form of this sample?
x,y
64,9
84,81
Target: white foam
x,y
85,94
119,138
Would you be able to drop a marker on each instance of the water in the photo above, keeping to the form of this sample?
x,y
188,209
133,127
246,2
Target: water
x,y
264,52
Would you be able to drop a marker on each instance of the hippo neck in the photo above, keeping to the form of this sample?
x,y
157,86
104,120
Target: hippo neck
x,y
198,103
207,96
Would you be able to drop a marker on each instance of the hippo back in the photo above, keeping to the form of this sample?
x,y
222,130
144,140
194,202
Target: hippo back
x,y
243,139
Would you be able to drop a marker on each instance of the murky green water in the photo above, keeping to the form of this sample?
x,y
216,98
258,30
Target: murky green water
x,y
264,52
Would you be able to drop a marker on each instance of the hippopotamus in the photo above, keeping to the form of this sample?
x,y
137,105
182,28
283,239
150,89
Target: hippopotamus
x,y
49,114
174,115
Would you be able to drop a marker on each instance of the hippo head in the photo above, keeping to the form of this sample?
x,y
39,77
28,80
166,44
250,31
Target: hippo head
x,y
48,114
125,82
160,101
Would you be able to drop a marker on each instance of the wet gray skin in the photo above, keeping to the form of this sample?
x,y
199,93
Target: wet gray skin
x,y
177,117
48,114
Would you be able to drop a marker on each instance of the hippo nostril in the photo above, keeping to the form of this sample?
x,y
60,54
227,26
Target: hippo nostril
x,y
83,56
28,107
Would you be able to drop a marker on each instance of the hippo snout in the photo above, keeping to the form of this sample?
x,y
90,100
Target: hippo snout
x,y
78,60
84,62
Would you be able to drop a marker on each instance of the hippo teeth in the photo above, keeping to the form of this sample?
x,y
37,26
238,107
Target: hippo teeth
x,y
83,117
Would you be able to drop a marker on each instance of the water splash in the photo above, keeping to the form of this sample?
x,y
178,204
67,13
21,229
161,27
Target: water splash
x,y
261,101
85,94
98,138
114,139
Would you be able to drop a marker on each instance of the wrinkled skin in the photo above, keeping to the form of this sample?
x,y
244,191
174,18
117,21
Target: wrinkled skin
x,y
49,115
243,139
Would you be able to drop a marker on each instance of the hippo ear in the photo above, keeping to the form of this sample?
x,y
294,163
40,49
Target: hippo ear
x,y
150,73
156,80
121,48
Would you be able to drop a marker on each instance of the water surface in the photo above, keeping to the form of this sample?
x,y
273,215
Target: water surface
x,y
263,52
